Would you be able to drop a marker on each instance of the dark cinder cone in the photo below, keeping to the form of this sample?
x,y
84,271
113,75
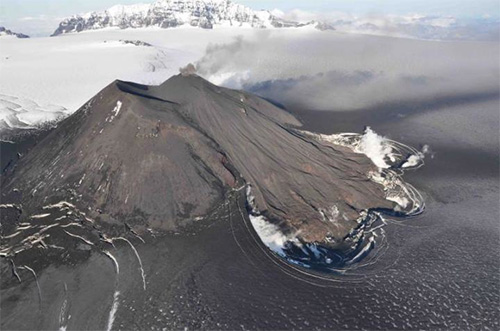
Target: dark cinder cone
x,y
155,156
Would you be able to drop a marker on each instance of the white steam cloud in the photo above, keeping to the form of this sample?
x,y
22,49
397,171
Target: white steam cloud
x,y
375,147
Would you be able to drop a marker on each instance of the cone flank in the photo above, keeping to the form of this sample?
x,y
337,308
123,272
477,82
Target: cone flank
x,y
173,151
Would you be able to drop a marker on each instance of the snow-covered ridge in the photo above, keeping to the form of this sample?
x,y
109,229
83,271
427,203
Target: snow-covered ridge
x,y
6,32
22,113
205,14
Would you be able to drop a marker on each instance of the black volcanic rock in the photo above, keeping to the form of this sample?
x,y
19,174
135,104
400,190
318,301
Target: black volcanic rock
x,y
136,43
158,157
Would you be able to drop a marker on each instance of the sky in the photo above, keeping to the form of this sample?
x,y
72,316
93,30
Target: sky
x,y
45,14
31,8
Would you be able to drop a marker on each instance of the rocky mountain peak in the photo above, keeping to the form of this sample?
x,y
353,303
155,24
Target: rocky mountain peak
x,y
6,32
205,14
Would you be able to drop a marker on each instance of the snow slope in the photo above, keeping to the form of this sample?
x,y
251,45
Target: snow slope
x,y
24,113
70,69
304,66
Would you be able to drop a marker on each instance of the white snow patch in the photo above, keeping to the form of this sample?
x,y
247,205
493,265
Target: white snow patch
x,y
417,159
8,205
115,262
79,237
117,108
60,205
39,216
270,234
401,201
114,309
24,113
412,161
115,111
11,235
